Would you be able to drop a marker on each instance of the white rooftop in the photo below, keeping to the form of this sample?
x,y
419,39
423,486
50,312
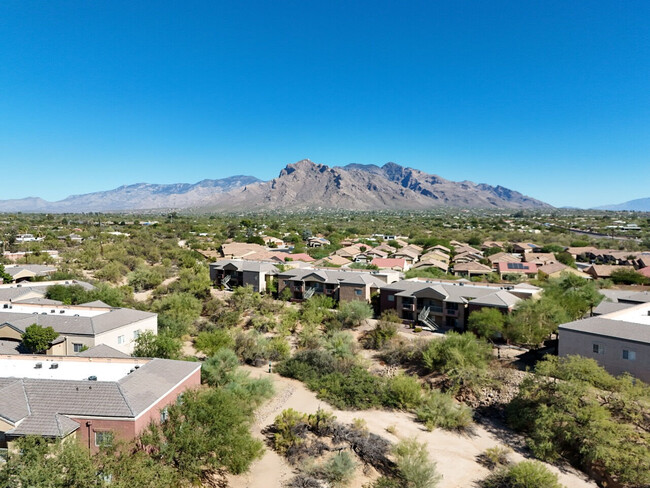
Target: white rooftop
x,y
66,369
639,314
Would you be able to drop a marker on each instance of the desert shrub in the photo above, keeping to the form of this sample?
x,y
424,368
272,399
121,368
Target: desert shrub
x,y
244,298
262,324
383,332
400,350
250,346
338,469
415,468
592,421
353,314
440,410
226,319
220,369
526,474
462,357
317,309
307,365
341,345
289,430
356,389
494,457
403,392
278,349
210,342
145,278
310,337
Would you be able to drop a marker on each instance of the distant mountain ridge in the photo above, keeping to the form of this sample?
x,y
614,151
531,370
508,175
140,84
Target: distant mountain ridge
x,y
138,196
638,205
299,186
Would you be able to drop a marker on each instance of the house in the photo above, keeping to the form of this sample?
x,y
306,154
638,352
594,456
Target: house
x,y
90,400
333,261
602,271
437,255
555,270
529,270
492,244
431,263
438,304
301,256
467,249
619,340
240,250
351,252
467,257
27,272
440,248
503,257
396,264
340,285
525,247
409,254
78,326
540,258
317,242
231,273
470,269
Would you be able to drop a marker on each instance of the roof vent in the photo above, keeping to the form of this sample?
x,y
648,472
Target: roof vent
x,y
92,378
38,365
54,366
137,366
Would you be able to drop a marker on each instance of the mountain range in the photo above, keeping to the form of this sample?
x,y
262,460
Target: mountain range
x,y
638,205
299,186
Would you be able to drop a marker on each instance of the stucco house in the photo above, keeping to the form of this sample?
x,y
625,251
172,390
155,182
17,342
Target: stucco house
x,y
618,340
78,326
231,273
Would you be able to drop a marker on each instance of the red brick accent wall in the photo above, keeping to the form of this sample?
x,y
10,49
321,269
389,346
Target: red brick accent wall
x,y
128,429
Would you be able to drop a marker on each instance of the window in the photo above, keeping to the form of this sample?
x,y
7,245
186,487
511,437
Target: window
x,y
629,355
103,438
77,347
164,415
598,348
136,334
391,298
120,339
357,292
179,399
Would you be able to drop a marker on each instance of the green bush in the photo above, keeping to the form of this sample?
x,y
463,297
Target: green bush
x,y
356,389
526,474
462,357
211,342
278,349
383,332
415,467
494,457
403,392
440,410
338,469
353,314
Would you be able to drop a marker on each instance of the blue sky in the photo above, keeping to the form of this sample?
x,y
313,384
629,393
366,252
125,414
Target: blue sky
x,y
550,98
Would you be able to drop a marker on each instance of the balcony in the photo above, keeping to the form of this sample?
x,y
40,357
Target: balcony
x,y
408,307
451,313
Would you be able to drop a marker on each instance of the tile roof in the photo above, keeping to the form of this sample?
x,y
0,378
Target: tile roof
x,y
47,403
66,324
501,299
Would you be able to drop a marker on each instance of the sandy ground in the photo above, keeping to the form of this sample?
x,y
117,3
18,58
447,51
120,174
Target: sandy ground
x,y
454,454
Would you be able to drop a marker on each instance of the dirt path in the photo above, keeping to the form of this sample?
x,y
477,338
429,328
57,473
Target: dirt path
x,y
454,454
143,296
